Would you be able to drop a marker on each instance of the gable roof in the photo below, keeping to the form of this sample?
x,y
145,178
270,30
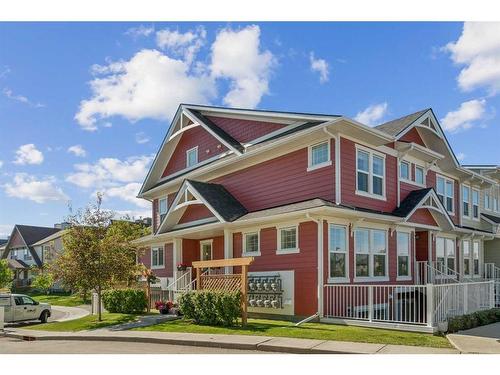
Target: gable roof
x,y
51,237
491,218
394,127
410,202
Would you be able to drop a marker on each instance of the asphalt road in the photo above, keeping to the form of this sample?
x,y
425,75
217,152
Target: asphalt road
x,y
15,346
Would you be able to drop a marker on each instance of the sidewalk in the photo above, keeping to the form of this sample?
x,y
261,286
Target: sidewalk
x,y
267,344
485,339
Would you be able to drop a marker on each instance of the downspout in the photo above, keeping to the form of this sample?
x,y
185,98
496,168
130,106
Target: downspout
x,y
319,313
336,177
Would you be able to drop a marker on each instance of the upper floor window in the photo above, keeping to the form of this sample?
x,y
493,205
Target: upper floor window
x,y
404,170
445,192
475,204
162,208
487,202
495,203
192,157
27,254
288,239
465,201
337,250
419,175
157,257
319,155
370,169
370,248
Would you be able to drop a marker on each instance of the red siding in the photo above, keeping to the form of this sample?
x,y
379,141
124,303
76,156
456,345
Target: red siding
x,y
423,216
413,136
405,189
422,245
195,212
191,249
349,196
280,181
208,146
145,258
245,130
304,264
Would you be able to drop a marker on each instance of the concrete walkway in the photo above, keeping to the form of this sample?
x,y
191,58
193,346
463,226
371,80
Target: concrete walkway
x,y
262,343
485,339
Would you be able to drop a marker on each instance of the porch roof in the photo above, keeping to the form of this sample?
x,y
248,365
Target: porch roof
x,y
17,264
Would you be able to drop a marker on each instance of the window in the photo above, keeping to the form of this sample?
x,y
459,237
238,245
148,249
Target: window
x,y
288,239
251,243
465,200
157,257
466,255
475,204
192,157
487,202
319,155
162,208
495,204
419,175
445,255
404,170
475,255
27,254
370,247
206,250
445,192
337,248
403,243
370,173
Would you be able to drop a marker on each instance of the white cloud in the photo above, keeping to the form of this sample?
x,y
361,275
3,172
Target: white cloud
x,y
149,85
6,230
319,66
110,172
372,114
77,150
1,163
465,116
135,214
140,31
28,154
128,193
29,187
21,98
141,138
237,56
461,156
478,48
185,44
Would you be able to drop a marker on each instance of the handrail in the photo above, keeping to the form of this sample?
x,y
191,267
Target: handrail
x,y
190,285
173,283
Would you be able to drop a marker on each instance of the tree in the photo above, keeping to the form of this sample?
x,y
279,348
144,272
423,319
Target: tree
x,y
6,274
43,281
97,253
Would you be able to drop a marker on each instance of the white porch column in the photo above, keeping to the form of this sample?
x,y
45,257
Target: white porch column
x,y
228,248
177,254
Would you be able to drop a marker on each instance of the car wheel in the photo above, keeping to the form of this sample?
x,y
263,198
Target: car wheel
x,y
44,316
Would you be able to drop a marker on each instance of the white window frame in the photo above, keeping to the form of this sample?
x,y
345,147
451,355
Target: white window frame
x,y
409,255
473,258
310,165
245,252
487,199
445,248
158,266
295,250
468,201
331,251
194,149
469,258
446,179
159,207
475,190
423,175
371,153
409,171
371,254
207,242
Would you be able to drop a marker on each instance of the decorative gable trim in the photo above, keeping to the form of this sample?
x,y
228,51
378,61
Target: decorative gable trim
x,y
432,203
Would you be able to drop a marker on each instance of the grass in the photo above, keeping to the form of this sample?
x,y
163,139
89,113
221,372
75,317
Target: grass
x,y
88,322
70,300
276,328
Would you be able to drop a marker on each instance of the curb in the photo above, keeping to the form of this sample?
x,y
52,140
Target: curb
x,y
456,347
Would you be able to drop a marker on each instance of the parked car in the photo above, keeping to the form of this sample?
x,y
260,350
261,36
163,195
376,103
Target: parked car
x,y
20,307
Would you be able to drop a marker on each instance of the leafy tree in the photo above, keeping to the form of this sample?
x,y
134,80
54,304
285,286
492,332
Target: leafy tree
x,y
98,253
6,274
43,281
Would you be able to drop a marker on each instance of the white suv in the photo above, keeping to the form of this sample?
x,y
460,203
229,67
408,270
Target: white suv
x,y
20,307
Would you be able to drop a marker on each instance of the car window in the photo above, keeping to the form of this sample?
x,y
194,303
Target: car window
x,y
28,301
18,300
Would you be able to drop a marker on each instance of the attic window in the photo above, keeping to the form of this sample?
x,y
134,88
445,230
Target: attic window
x,y
192,157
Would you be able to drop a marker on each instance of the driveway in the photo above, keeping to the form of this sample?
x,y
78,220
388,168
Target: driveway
x,y
485,339
59,314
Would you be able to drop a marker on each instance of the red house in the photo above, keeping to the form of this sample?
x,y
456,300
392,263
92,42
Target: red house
x,y
344,220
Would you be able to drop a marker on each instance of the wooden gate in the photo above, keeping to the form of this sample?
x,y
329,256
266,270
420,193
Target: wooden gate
x,y
230,282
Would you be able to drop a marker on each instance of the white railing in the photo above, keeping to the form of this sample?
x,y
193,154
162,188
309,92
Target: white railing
x,y
408,304
491,271
459,299
427,273
497,293
383,303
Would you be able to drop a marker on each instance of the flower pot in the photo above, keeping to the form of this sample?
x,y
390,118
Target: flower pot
x,y
164,311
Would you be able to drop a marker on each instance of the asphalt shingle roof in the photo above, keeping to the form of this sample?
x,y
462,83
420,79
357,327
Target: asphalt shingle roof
x,y
32,234
396,126
410,202
495,219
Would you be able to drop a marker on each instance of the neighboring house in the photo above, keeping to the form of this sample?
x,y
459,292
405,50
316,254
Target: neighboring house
x,y
22,254
320,201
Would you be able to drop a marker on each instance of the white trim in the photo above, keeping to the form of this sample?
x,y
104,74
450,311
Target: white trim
x,y
207,242
401,178
371,255
244,251
329,251
328,162
446,179
478,204
409,255
194,149
193,223
371,153
338,177
296,249
462,200
158,266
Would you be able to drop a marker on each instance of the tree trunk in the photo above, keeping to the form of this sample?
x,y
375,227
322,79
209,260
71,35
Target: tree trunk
x,y
148,289
99,308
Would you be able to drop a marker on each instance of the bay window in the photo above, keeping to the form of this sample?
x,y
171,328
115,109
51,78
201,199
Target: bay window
x,y
465,200
337,249
445,192
370,247
370,169
403,244
475,204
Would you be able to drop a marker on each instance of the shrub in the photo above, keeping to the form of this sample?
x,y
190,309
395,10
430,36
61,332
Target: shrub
x,y
479,318
126,301
211,308
43,281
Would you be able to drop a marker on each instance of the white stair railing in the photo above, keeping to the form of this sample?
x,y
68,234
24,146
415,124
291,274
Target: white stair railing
x,y
491,271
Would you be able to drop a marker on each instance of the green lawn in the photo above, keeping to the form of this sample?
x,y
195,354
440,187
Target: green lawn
x,y
58,299
262,327
86,323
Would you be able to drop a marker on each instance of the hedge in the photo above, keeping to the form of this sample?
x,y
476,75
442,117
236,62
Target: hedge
x,y
479,318
211,308
125,301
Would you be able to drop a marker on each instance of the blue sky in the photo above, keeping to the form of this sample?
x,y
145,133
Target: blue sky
x,y
108,91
